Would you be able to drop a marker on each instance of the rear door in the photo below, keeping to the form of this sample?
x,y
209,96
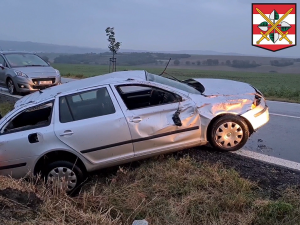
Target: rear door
x,y
25,137
92,123
149,111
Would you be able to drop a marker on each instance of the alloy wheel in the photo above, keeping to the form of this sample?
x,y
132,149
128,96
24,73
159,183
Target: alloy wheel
x,y
10,86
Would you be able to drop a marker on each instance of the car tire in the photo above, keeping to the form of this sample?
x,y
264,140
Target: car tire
x,y
59,171
11,86
228,133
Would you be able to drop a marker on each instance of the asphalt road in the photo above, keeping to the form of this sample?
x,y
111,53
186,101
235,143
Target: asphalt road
x,y
280,137
277,142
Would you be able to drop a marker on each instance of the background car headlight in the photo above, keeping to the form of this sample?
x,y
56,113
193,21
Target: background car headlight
x,y
57,72
19,73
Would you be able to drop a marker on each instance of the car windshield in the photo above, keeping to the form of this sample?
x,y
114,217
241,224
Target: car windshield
x,y
24,59
172,83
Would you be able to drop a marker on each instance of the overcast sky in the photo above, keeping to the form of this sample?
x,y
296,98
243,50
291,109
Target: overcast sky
x,y
153,25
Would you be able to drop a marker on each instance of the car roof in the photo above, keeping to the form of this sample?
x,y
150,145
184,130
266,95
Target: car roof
x,y
81,84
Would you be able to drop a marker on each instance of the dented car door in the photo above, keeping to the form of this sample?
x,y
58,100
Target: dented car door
x,y
149,112
92,123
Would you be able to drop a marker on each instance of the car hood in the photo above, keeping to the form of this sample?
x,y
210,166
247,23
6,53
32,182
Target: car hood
x,y
223,96
224,87
37,71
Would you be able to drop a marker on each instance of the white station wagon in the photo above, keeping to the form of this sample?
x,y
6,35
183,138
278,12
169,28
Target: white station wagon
x,y
66,131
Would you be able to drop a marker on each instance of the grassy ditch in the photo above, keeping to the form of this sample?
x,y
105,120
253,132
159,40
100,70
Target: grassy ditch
x,y
164,190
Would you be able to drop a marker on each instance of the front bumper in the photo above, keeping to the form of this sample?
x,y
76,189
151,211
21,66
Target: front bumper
x,y
258,116
23,84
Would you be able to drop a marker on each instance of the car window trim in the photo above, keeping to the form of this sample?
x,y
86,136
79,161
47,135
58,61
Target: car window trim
x,y
145,85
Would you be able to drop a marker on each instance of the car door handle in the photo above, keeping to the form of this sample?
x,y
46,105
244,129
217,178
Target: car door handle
x,y
136,119
66,132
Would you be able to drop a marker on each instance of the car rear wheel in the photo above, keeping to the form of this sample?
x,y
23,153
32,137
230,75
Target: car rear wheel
x,y
65,176
228,133
11,87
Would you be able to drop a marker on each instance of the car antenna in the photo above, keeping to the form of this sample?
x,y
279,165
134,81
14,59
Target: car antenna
x,y
163,72
1,48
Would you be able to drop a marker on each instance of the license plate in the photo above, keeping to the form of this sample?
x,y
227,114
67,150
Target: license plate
x,y
45,82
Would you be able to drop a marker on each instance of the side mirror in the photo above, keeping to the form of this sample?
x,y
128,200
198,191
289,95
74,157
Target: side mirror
x,y
1,66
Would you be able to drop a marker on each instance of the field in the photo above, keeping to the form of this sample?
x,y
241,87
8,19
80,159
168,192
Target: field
x,y
275,86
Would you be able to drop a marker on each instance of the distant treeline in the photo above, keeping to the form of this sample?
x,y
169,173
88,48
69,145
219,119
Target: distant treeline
x,y
123,59
243,64
215,62
283,62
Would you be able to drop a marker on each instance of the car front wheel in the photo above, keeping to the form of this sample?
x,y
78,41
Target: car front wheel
x,y
228,133
11,87
65,176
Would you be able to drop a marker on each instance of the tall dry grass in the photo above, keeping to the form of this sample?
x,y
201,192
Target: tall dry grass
x,y
161,190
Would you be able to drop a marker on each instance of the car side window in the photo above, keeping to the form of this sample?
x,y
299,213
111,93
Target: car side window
x,y
31,118
141,96
85,105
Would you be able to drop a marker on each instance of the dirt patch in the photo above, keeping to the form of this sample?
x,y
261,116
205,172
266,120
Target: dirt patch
x,y
18,205
270,178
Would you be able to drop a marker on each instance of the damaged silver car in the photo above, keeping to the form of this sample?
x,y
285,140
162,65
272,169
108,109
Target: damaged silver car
x,y
66,131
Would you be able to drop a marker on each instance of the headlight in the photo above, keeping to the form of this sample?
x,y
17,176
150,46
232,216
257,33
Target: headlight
x,y
57,72
19,73
256,101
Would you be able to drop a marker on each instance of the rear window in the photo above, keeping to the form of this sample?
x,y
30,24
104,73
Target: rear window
x,y
85,105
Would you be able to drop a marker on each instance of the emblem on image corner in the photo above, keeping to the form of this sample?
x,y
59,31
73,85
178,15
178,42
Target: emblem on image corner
x,y
274,25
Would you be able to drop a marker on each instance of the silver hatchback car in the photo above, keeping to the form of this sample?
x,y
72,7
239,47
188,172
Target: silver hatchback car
x,y
66,131
24,72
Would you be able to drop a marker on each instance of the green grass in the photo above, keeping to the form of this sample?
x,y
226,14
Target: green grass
x,y
5,108
275,86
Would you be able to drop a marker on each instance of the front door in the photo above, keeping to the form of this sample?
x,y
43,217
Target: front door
x,y
93,124
149,111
